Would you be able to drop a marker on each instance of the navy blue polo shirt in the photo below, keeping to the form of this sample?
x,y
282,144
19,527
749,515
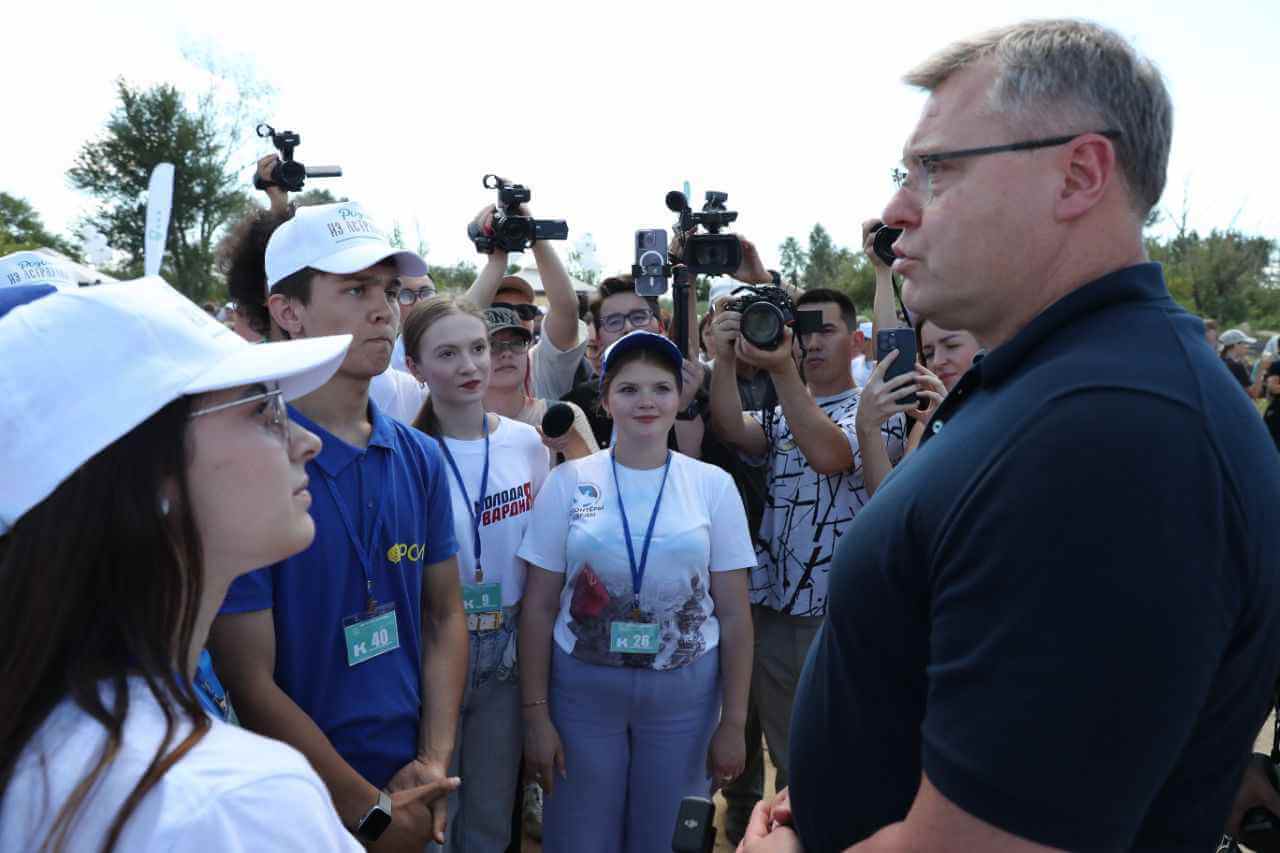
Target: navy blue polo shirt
x,y
1065,607
395,493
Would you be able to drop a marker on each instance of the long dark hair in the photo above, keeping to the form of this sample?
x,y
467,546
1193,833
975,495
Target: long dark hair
x,y
107,582
425,315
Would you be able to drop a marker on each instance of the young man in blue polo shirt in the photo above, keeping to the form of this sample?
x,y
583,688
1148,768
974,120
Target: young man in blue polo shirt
x,y
1056,624
355,650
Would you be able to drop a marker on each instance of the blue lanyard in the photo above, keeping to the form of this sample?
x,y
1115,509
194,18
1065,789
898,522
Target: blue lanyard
x,y
637,571
472,507
361,547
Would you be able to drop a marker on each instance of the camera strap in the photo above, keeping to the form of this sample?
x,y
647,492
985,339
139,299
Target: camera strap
x,y
897,295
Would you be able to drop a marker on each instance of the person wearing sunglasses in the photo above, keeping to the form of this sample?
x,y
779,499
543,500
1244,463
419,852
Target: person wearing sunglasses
x,y
509,393
355,650
1056,626
120,532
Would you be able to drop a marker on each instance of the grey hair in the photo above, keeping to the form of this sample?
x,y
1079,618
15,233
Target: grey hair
x,y
1060,76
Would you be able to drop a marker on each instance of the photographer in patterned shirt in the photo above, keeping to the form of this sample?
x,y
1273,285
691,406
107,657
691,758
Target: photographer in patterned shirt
x,y
815,486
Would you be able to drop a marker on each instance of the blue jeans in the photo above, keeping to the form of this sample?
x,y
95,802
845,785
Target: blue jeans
x,y
635,744
489,744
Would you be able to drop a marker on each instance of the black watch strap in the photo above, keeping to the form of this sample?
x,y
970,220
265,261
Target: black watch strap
x,y
376,819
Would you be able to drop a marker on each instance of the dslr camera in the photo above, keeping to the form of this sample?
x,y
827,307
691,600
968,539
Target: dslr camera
x,y
766,311
882,245
711,253
511,232
289,174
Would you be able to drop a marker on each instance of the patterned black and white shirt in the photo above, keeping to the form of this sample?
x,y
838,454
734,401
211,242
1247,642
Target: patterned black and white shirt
x,y
806,512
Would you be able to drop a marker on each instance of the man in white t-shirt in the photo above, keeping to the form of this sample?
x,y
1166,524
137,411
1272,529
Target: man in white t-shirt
x,y
815,486
557,354
864,363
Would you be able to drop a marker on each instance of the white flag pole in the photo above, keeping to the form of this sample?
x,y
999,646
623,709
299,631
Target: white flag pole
x,y
159,205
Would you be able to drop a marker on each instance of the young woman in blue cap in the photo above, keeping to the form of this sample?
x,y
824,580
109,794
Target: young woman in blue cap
x,y
636,633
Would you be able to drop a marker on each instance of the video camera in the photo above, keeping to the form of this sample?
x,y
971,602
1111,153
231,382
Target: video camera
x,y
883,243
511,232
766,311
289,174
712,253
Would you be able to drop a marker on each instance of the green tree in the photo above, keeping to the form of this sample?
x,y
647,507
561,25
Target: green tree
x,y
152,126
317,196
1226,274
823,259
794,259
456,277
21,228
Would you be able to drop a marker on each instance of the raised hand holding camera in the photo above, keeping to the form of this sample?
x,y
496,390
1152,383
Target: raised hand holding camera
x,y
287,173
511,229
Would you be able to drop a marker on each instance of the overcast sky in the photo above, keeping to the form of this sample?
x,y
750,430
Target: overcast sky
x,y
795,109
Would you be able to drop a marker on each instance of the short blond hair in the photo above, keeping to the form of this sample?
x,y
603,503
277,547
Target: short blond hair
x,y
1059,76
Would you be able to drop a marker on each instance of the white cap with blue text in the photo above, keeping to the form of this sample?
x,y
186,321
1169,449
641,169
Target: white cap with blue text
x,y
35,268
333,238
83,367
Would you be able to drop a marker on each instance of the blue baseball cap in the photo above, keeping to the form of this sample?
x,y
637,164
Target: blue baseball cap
x,y
659,345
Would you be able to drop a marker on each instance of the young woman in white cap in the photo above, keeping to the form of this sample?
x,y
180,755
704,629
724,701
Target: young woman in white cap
x,y
165,467
635,635
496,466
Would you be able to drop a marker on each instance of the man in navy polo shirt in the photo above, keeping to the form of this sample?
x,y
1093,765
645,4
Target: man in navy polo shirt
x,y
355,650
1056,625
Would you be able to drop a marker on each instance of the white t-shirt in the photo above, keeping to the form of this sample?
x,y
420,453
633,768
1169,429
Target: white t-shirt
x,y
576,529
233,790
517,469
805,512
553,369
397,394
862,370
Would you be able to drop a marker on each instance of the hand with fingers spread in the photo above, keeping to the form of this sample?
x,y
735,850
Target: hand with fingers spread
x,y
780,358
879,399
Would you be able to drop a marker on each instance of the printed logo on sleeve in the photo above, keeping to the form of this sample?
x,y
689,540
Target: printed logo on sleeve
x,y
587,502
401,551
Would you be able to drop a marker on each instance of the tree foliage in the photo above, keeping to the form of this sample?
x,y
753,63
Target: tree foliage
x,y
455,277
152,126
21,228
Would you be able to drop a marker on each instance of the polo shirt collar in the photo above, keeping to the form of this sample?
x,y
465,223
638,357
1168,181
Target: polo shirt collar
x,y
1143,282
335,454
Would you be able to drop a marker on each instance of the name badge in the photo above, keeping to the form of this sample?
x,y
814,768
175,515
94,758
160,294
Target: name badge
x,y
633,638
368,635
481,597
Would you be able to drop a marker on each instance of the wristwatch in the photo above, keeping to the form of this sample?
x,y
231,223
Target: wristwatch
x,y
692,412
376,819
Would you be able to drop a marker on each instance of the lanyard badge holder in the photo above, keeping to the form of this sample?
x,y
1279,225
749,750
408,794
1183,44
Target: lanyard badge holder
x,y
481,602
638,635
374,630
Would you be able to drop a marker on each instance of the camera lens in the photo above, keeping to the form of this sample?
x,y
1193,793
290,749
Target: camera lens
x,y
762,325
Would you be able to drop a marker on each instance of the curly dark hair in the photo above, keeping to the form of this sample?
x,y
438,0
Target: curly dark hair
x,y
242,258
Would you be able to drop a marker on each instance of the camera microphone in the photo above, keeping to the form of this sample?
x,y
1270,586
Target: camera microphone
x,y
557,420
676,201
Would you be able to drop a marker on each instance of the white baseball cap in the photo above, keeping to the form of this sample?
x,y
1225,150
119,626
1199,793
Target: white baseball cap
x,y
35,268
335,238
1232,337
83,367
721,285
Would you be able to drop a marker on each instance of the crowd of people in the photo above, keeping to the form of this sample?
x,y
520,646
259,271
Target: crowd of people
x,y
321,574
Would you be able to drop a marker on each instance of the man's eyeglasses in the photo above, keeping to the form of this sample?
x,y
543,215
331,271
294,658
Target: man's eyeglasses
x,y
276,414
918,176
524,311
638,318
518,346
409,296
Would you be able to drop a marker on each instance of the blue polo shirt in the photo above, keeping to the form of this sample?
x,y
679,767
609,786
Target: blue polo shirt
x,y
1065,607
395,495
